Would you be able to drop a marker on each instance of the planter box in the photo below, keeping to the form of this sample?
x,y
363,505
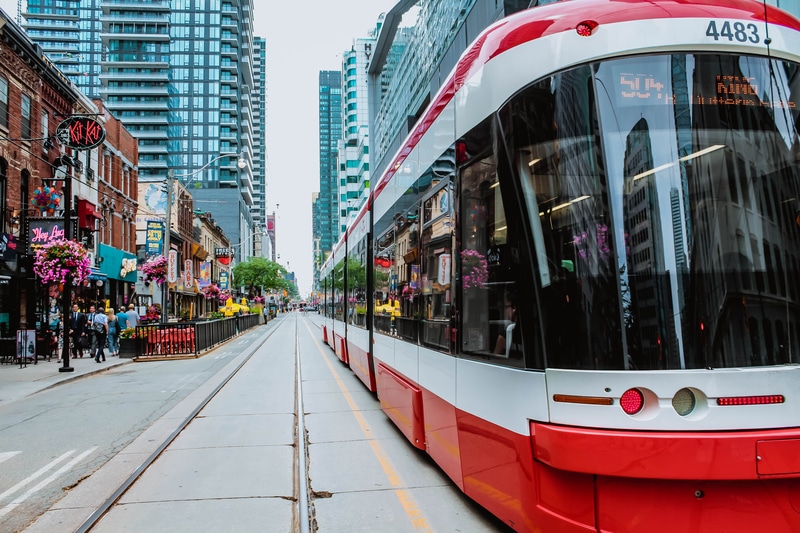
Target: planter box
x,y
127,348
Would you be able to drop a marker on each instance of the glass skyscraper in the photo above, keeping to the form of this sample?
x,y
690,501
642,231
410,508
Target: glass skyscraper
x,y
180,76
330,131
259,94
353,150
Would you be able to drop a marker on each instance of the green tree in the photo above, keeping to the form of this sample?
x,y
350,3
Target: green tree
x,y
260,273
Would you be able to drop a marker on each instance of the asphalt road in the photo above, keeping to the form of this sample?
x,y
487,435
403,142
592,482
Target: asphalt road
x,y
53,439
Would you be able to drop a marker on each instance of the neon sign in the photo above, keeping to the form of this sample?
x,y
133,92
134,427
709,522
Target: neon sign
x,y
80,133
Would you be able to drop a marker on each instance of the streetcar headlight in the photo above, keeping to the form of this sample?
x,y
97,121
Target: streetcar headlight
x,y
684,402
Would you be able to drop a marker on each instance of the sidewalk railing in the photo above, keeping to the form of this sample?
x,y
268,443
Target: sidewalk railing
x,y
188,338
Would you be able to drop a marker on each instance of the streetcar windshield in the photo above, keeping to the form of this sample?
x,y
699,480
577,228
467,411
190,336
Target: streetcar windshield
x,y
663,199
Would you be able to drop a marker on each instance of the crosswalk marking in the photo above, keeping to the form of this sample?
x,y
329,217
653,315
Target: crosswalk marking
x,y
4,456
43,483
35,475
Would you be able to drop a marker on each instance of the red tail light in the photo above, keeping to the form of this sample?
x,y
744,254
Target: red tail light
x,y
751,400
632,401
586,28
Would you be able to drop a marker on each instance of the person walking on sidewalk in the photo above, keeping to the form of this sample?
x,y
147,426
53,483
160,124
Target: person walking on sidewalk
x,y
133,317
122,319
77,330
100,327
113,332
89,330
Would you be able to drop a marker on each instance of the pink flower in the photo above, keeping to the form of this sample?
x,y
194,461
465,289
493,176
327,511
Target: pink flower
x,y
211,291
155,269
474,269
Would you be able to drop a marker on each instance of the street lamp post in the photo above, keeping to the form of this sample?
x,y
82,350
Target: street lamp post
x,y
242,163
66,294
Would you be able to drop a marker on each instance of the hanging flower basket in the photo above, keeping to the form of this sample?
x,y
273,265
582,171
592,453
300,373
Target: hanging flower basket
x,y
211,291
224,296
155,270
153,313
46,200
56,259
474,269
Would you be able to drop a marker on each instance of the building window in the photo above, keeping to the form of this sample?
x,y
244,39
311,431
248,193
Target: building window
x,y
45,129
26,117
3,102
4,222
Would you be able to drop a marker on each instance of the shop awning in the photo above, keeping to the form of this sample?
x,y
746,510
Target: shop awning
x,y
87,214
96,275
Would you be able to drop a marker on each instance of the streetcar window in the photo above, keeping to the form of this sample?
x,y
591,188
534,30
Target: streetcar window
x,y
357,284
488,261
436,242
661,195
338,291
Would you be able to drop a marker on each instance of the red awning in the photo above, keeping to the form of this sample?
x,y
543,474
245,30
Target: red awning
x,y
87,214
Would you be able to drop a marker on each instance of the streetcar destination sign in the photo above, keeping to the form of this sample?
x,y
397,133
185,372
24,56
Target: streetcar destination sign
x,y
80,133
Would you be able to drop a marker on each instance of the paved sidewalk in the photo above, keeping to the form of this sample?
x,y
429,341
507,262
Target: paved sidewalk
x,y
18,383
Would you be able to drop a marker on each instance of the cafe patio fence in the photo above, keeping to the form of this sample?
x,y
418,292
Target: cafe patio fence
x,y
187,338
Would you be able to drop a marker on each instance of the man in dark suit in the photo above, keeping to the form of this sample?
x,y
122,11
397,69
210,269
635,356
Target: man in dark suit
x,y
77,329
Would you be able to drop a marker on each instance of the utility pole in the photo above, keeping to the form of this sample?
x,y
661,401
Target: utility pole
x,y
165,286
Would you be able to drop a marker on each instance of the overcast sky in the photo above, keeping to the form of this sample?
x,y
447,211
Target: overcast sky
x,y
302,39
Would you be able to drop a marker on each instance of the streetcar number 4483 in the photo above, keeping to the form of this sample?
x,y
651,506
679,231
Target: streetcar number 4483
x,y
733,31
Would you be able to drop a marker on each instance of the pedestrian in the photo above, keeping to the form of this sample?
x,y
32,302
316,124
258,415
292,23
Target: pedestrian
x,y
113,332
122,319
100,328
133,316
89,329
56,331
77,331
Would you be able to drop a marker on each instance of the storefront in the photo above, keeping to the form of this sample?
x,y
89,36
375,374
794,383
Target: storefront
x,y
119,267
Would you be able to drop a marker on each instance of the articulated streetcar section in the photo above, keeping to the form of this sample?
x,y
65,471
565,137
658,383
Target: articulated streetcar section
x,y
577,285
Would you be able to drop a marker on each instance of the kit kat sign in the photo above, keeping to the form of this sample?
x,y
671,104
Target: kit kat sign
x,y
80,133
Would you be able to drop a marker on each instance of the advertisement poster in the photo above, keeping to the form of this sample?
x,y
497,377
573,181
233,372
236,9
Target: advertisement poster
x,y
204,276
8,247
26,343
414,277
155,237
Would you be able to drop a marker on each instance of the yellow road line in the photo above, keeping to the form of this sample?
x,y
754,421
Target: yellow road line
x,y
418,521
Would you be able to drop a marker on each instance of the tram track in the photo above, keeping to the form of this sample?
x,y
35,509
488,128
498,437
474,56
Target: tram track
x,y
95,517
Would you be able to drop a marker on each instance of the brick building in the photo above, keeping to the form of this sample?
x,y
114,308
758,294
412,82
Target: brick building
x,y
34,97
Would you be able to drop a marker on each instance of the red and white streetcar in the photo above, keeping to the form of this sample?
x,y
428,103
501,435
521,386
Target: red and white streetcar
x,y
577,286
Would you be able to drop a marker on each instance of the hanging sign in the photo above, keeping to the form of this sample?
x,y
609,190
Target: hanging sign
x,y
80,133
44,230
204,276
172,266
188,275
443,277
155,237
223,280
